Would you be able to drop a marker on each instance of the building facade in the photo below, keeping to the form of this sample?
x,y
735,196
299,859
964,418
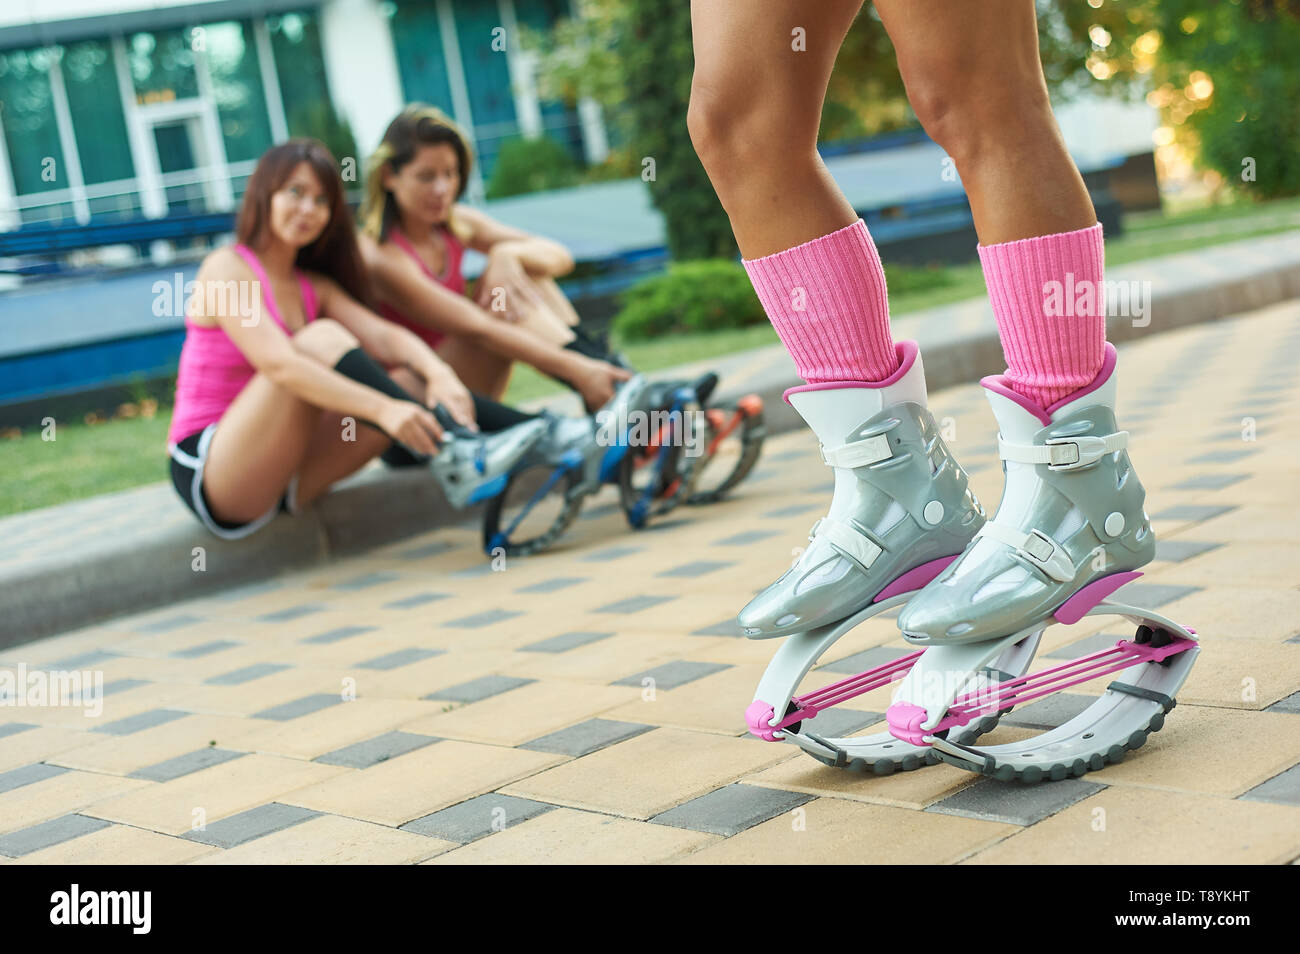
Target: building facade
x,y
121,109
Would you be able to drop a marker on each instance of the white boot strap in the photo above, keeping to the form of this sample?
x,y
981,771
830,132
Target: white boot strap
x,y
1036,547
869,450
848,540
1064,453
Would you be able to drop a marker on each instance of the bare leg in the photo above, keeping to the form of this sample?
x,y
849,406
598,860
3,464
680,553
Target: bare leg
x,y
482,371
756,104
975,80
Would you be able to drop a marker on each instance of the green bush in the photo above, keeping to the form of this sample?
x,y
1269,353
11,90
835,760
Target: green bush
x,y
701,295
901,279
531,165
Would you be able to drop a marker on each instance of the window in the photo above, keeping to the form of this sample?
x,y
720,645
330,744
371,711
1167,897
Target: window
x,y
237,88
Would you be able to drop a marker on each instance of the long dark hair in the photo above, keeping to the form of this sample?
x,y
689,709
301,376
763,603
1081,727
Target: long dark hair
x,y
419,124
334,252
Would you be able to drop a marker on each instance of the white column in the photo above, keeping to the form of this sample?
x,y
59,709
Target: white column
x,y
144,156
464,115
522,66
217,189
270,81
9,215
67,137
361,68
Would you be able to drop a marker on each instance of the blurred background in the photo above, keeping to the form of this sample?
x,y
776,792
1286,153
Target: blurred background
x,y
128,129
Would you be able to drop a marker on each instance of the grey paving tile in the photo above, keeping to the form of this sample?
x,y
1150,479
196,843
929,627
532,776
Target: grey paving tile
x,y
1283,789
604,510
381,748
141,720
168,624
821,490
838,723
586,737
290,613
205,649
1153,595
247,825
342,632
746,538
1014,803
477,817
122,685
1088,645
564,642
245,674
673,674
1223,456
1180,550
479,620
401,657
427,550
367,580
867,659
169,769
695,569
1210,481
1049,712
1290,704
610,553
550,586
53,832
633,604
732,809
27,775
480,569
477,689
83,660
300,707
792,511
728,627
411,602
1195,512
13,728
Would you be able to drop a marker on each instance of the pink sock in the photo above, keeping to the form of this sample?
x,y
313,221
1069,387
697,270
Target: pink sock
x,y
1050,306
826,298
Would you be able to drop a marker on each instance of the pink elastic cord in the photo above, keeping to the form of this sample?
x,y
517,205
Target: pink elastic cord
x,y
1050,305
827,301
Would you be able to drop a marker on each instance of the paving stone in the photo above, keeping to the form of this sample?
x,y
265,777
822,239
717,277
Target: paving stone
x,y
1290,704
428,550
331,840
633,604
732,809
83,660
1283,789
1153,595
367,580
610,553
564,642
1013,802
1048,712
247,825
122,685
867,659
1222,456
604,510
671,675
692,570
342,632
185,764
27,775
53,832
477,689
401,657
194,652
168,624
411,602
479,620
142,720
836,723
746,538
1179,550
1195,512
379,749
586,737
551,586
728,627
290,613
1210,481
477,817
300,707
13,728
1089,644
792,511
246,674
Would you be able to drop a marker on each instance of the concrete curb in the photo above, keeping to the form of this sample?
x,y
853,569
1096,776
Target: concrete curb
x,y
149,566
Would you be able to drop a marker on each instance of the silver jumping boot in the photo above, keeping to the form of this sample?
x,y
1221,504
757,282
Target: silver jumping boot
x,y
474,467
1071,513
901,504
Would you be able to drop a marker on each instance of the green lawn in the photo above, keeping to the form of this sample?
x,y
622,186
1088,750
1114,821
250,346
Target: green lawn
x,y
88,459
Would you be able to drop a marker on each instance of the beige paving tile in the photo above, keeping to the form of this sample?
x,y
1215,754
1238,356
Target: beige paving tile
x,y
606,660
1244,674
120,845
217,792
648,774
420,782
713,703
518,715
1269,613
39,744
312,735
123,754
58,795
421,678
332,840
568,837
836,831
1175,829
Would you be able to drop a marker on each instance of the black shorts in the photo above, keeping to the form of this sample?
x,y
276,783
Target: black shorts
x,y
188,458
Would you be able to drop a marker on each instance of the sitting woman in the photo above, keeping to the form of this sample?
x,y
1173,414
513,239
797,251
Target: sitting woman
x,y
415,234
267,411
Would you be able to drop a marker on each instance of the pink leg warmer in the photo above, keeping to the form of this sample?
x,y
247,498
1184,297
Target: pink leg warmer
x,y
1050,307
826,298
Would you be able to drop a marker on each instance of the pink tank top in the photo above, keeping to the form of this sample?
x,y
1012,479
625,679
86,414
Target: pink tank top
x,y
212,369
453,281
